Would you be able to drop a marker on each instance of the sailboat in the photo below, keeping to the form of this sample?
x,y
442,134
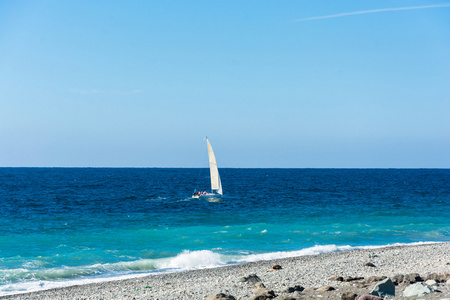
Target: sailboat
x,y
216,184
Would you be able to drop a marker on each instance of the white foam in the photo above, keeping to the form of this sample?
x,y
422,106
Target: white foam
x,y
34,286
189,260
396,244
285,254
68,276
314,251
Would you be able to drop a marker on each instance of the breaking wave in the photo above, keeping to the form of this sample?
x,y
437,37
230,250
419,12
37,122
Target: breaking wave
x,y
24,280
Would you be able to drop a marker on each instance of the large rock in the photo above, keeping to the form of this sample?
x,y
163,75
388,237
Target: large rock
x,y
369,264
220,296
309,289
431,282
262,294
384,288
417,290
412,278
296,288
397,279
259,285
277,267
375,278
252,278
443,277
286,298
348,296
336,278
350,278
260,297
368,297
432,276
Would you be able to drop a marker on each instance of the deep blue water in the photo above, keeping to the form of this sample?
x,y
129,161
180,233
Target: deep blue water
x,y
61,226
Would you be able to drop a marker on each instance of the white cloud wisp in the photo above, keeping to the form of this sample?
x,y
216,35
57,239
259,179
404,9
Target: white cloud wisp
x,y
372,11
110,92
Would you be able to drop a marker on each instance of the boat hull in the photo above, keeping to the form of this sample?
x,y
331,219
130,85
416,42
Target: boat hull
x,y
207,195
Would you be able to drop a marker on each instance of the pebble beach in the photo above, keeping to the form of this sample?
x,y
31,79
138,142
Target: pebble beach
x,y
314,273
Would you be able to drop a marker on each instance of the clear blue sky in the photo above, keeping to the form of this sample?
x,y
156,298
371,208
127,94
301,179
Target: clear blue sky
x,y
358,84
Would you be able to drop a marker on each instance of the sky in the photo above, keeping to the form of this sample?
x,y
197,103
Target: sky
x,y
273,84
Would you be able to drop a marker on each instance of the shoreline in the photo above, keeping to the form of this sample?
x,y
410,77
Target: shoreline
x,y
309,271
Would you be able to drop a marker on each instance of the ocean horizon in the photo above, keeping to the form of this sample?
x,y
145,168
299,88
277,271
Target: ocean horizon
x,y
63,226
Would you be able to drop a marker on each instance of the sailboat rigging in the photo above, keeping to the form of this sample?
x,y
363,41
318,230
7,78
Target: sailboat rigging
x,y
216,183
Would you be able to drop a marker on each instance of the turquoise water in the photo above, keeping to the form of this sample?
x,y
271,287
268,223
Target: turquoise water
x,y
64,226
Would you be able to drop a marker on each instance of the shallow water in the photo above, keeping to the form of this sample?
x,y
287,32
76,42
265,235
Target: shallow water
x,y
62,225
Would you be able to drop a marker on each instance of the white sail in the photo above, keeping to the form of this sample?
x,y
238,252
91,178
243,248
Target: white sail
x,y
216,184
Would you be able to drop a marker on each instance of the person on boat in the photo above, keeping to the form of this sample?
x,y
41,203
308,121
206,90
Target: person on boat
x,y
195,191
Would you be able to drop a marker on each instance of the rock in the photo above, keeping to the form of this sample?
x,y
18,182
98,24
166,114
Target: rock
x,y
220,296
348,296
252,278
262,294
309,290
384,288
448,282
417,290
325,289
375,278
296,288
277,267
297,294
259,285
433,276
368,297
412,278
286,298
260,297
337,278
369,264
349,278
397,279
431,282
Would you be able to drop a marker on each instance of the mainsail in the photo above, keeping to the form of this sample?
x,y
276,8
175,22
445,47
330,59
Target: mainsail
x,y
216,184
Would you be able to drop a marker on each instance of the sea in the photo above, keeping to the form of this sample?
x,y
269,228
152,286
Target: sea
x,y
69,226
